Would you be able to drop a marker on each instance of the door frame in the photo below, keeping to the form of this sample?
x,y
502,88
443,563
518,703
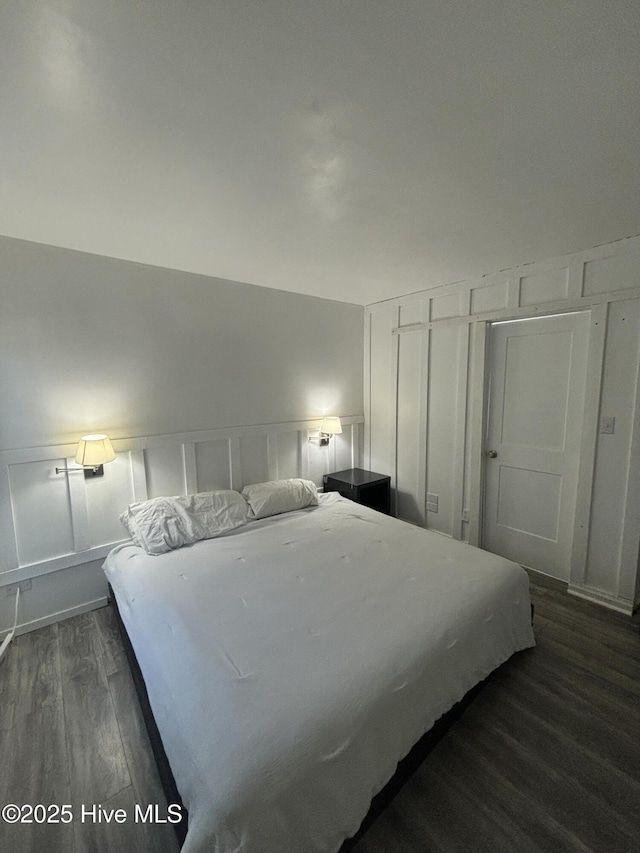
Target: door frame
x,y
478,423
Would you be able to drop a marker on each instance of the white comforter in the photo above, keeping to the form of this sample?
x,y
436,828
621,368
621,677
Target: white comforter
x,y
292,663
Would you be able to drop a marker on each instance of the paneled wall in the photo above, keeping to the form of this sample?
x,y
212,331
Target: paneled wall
x,y
425,403
200,382
52,520
57,526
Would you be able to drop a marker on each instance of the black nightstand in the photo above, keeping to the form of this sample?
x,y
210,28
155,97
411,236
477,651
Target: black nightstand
x,y
363,487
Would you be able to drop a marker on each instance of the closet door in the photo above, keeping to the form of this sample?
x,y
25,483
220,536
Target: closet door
x,y
536,400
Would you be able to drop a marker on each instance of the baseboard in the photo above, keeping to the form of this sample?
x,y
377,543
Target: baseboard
x,y
552,580
52,618
596,596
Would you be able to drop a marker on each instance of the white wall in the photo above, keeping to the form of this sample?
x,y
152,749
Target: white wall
x,y
200,382
88,342
424,387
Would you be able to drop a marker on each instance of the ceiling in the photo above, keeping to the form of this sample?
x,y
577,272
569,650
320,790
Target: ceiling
x,y
353,149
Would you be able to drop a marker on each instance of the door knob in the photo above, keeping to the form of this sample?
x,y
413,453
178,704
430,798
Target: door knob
x,y
492,454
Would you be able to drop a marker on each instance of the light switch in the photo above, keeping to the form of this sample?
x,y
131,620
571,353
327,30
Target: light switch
x,y
607,426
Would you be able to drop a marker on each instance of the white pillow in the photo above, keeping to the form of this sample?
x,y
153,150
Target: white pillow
x,y
278,496
161,524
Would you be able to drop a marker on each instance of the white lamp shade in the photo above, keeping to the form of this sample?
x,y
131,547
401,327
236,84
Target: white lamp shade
x,y
331,426
94,450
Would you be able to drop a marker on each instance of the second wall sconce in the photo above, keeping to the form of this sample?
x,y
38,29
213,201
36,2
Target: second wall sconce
x,y
93,452
328,427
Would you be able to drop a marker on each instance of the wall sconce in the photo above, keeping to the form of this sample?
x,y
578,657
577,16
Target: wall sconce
x,y
93,452
328,427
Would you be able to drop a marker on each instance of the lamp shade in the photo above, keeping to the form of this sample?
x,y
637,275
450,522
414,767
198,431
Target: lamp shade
x,y
331,426
94,450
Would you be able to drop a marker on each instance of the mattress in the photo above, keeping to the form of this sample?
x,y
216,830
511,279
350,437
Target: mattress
x,y
292,663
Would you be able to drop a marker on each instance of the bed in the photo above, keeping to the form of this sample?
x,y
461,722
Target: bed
x,y
291,663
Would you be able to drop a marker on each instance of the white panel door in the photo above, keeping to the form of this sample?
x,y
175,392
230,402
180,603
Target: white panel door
x,y
537,376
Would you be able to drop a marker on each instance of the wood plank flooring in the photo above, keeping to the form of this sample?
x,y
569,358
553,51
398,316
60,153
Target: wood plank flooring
x,y
546,758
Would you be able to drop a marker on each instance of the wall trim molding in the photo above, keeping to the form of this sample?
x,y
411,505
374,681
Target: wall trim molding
x,y
59,616
603,280
139,442
527,312
53,522
57,564
574,263
596,596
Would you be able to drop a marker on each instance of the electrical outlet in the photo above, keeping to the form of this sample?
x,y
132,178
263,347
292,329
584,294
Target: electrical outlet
x,y
11,589
465,515
607,426
432,502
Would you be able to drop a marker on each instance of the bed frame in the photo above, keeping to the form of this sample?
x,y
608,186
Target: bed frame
x,y
162,762
405,769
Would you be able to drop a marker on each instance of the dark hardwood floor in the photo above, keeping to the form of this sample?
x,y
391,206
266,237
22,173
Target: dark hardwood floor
x,y
546,758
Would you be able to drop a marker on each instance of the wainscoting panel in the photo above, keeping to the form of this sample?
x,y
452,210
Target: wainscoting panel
x,y
50,522
41,507
491,298
164,467
254,459
316,460
611,273
104,495
212,465
546,286
445,306
343,447
285,447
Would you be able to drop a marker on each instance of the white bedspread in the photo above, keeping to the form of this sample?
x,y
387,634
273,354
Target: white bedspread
x,y
292,663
